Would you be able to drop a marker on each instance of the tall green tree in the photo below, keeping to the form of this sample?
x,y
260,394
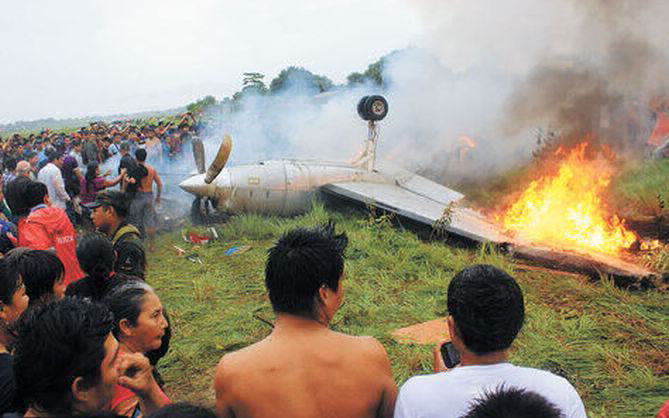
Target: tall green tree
x,y
298,77
253,81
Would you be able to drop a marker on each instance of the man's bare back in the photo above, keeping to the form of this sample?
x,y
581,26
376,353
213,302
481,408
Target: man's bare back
x,y
305,370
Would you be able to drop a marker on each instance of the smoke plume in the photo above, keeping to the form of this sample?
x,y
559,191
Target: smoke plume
x,y
604,85
488,71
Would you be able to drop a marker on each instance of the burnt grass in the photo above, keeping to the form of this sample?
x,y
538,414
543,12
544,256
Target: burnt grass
x,y
611,344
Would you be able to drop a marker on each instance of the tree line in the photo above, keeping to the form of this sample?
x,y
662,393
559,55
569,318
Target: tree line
x,y
293,77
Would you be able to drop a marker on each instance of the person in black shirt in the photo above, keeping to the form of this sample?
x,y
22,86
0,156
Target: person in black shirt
x,y
13,303
95,254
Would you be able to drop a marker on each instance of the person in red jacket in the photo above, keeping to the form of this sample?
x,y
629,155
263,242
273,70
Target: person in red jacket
x,y
47,227
664,412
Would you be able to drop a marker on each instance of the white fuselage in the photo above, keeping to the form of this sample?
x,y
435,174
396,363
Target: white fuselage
x,y
278,187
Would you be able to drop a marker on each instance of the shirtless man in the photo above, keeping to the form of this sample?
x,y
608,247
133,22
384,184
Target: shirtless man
x,y
142,212
303,369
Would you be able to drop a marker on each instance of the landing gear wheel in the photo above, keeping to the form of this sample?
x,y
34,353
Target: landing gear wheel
x,y
376,107
202,212
372,108
199,211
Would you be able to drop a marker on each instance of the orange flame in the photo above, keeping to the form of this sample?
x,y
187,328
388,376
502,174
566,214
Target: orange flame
x,y
565,210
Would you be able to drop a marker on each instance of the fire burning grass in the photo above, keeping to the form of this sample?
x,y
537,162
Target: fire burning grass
x,y
565,209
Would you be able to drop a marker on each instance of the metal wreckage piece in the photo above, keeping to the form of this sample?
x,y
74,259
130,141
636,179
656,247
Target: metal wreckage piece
x,y
287,187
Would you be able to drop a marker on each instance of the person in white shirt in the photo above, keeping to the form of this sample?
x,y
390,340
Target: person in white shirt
x,y
113,148
486,312
76,153
51,176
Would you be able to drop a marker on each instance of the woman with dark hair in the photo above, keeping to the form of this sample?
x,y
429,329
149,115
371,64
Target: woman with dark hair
x,y
103,273
96,257
43,275
94,181
139,327
13,303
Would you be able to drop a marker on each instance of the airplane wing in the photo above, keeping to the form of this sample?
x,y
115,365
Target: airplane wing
x,y
421,200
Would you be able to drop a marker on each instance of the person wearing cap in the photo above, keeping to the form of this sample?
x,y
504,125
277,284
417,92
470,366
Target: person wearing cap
x,y
51,176
109,212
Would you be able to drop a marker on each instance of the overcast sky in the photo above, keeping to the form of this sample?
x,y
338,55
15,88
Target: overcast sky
x,y
80,57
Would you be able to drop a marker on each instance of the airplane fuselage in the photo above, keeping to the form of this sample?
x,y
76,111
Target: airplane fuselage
x,y
277,187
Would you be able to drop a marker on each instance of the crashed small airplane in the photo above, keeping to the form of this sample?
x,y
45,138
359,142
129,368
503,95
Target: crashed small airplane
x,y
287,187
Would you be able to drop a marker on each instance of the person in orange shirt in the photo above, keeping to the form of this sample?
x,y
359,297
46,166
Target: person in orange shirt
x,y
47,227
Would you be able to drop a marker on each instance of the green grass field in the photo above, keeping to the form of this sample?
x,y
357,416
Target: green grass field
x,y
611,344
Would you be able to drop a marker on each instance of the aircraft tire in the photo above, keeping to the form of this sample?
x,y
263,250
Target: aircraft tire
x,y
376,107
199,212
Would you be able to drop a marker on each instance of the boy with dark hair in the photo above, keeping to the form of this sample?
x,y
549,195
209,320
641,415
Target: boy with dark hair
x,y
513,403
66,361
47,228
43,275
303,369
486,312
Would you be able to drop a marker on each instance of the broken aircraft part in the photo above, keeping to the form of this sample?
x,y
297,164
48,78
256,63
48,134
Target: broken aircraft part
x,y
287,187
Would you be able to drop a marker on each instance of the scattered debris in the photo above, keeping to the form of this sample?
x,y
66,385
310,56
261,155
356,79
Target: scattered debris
x,y
194,258
198,239
180,251
430,332
237,250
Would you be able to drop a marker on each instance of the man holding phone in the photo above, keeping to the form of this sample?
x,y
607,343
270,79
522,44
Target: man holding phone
x,y
486,312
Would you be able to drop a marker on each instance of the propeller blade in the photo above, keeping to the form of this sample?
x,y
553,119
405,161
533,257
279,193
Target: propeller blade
x,y
220,160
198,155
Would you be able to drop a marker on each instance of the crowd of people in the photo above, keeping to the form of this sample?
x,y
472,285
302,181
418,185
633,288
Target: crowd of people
x,y
81,331
90,347
70,232
75,167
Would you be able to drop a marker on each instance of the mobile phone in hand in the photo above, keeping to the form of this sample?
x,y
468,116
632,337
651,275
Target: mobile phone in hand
x,y
450,355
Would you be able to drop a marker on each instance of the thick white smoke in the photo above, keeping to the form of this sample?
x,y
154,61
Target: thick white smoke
x,y
493,71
